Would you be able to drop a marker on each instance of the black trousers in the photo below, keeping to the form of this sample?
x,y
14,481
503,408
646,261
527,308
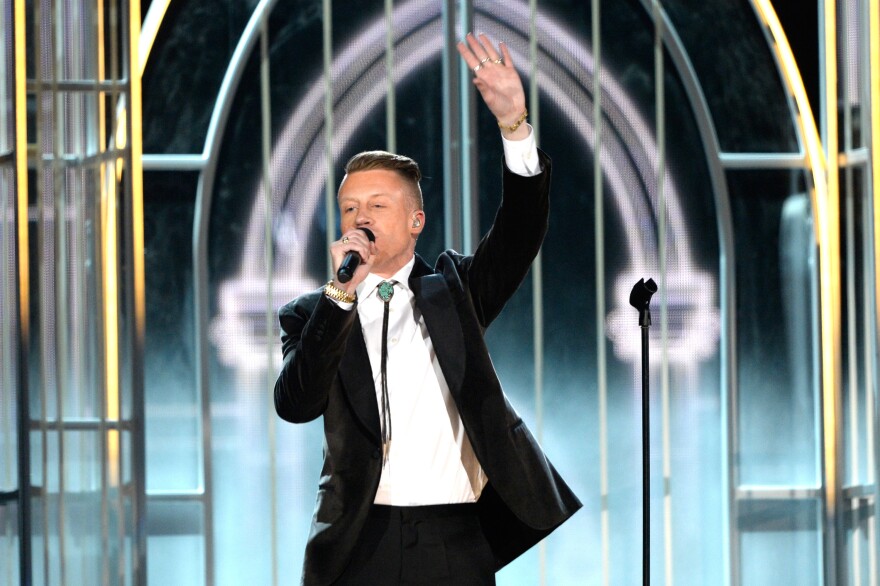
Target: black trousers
x,y
436,545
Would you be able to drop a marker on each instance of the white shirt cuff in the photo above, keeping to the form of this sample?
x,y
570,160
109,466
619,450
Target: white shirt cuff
x,y
521,156
341,304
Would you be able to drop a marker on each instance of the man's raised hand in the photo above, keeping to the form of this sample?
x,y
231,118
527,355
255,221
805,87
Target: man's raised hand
x,y
498,82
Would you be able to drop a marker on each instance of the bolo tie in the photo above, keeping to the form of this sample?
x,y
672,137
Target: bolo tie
x,y
386,292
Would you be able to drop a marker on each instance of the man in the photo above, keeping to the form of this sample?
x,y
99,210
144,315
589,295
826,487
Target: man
x,y
429,476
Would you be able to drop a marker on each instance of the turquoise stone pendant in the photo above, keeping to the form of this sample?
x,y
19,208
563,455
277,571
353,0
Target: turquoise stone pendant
x,y
386,291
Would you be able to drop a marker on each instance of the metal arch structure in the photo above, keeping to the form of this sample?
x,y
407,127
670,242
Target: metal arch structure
x,y
237,302
628,164
628,160
240,298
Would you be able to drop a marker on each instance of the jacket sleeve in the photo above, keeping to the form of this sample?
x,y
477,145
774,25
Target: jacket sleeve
x,y
314,334
504,255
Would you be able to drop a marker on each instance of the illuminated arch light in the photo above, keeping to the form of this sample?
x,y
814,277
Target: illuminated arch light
x,y
627,158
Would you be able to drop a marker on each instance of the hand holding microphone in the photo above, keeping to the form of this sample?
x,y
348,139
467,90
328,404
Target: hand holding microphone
x,y
352,258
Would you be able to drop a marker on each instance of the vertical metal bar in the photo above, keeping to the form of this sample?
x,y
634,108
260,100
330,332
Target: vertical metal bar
x,y
452,120
660,109
268,250
10,307
101,178
103,429
42,287
729,411
601,347
124,200
390,101
103,447
22,276
869,293
329,186
200,296
870,332
62,262
135,285
537,265
201,317
854,557
534,105
537,277
107,192
470,215
834,543
83,130
869,338
872,232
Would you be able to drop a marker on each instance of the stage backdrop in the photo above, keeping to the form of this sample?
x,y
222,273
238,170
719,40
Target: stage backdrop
x,y
250,111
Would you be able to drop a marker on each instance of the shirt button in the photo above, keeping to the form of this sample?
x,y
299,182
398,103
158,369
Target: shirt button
x,y
394,340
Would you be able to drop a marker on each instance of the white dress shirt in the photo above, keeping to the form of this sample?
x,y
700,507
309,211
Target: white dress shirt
x,y
430,459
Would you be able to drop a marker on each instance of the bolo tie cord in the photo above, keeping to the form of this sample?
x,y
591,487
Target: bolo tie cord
x,y
386,291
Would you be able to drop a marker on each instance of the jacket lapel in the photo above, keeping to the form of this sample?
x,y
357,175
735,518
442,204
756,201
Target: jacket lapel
x,y
355,373
437,306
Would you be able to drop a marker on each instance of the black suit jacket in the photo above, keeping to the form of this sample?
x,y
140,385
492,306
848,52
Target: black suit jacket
x,y
327,372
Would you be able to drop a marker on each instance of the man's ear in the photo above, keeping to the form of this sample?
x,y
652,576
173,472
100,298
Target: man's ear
x,y
418,222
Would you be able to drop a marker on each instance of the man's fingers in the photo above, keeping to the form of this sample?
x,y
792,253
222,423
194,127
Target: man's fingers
x,y
505,52
361,243
467,55
483,49
478,50
355,241
488,48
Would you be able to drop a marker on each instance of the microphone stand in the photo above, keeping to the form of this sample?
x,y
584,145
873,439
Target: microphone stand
x,y
640,298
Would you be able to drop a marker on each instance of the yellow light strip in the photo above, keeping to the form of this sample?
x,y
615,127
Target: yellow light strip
x,y
128,121
109,273
137,180
21,175
815,156
874,57
830,273
108,253
111,323
826,213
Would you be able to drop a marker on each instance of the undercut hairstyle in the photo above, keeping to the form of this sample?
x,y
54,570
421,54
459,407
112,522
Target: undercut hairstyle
x,y
407,168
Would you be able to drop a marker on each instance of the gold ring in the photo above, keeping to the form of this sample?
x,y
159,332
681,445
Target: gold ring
x,y
345,239
477,67
499,61
484,60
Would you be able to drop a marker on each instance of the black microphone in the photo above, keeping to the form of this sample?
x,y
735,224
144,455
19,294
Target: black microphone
x,y
352,260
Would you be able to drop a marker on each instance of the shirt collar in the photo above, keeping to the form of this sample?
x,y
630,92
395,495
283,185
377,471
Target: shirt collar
x,y
401,277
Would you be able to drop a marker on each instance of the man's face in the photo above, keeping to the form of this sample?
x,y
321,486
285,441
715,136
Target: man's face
x,y
380,200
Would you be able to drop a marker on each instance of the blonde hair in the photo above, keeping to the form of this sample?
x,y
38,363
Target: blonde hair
x,y
407,168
